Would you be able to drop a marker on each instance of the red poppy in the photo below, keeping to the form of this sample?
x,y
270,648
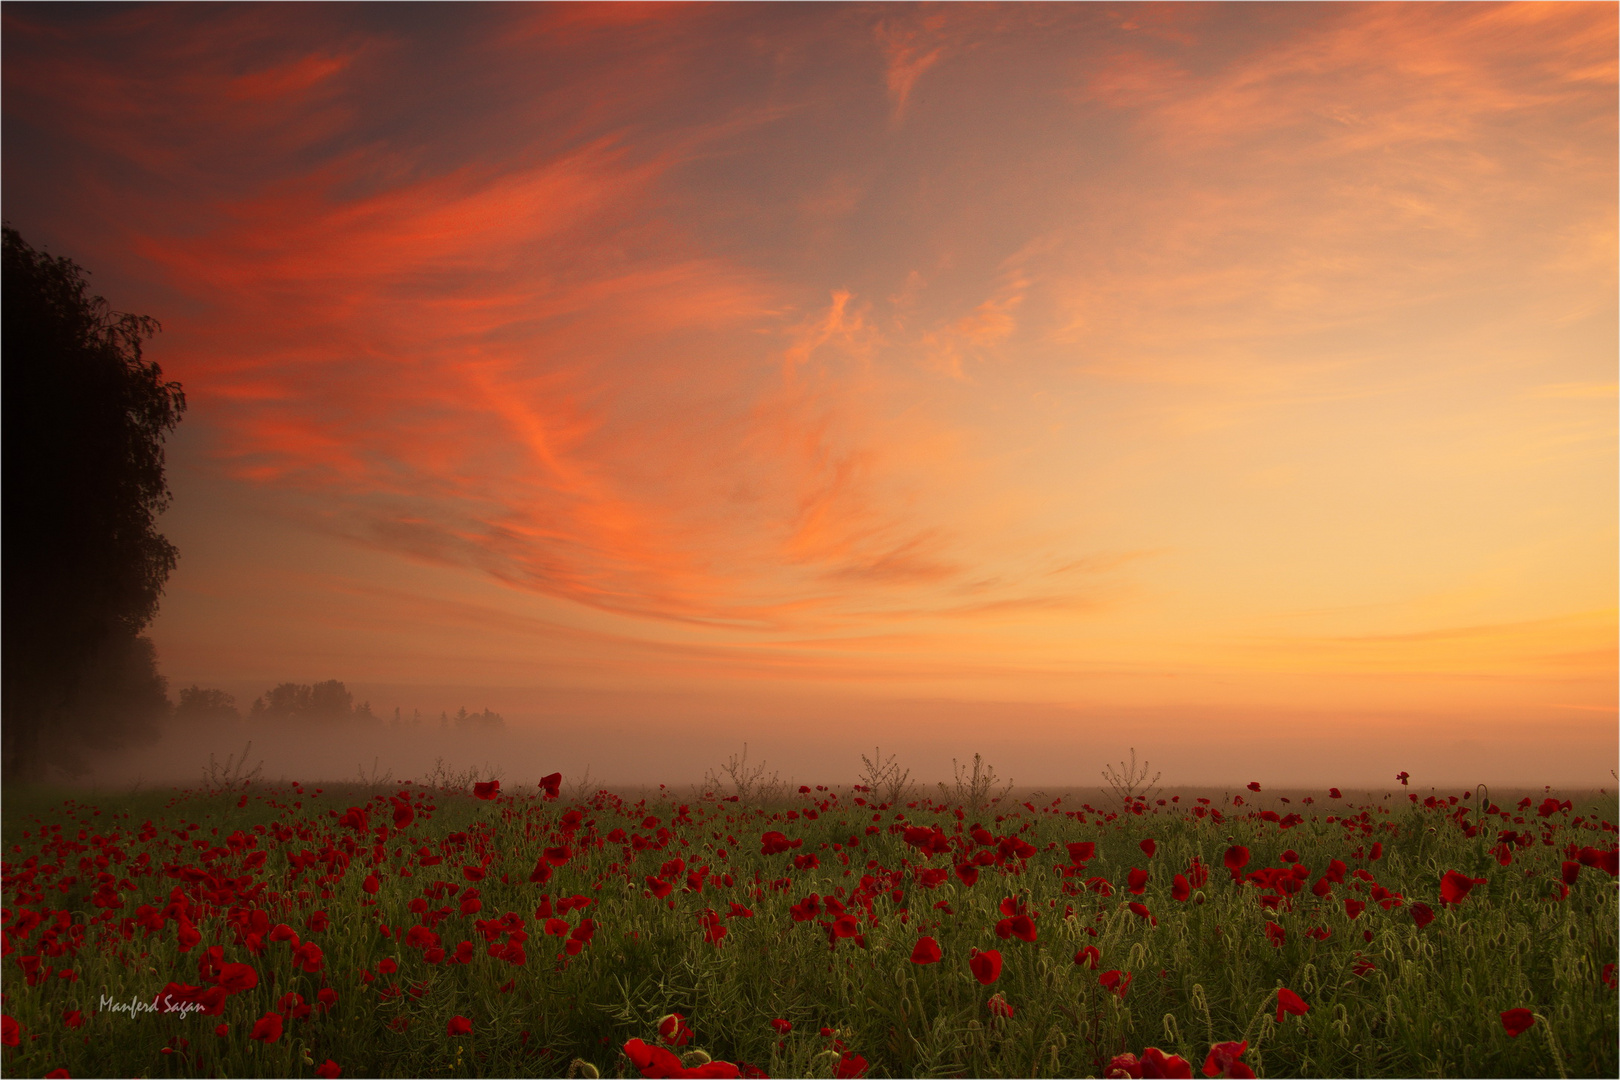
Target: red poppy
x,y
985,965
1454,887
1082,851
850,1067
968,873
1275,934
551,785
1156,1064
1090,957
1141,911
1235,859
1117,981
1609,978
371,884
1422,914
331,1070
1225,1060
1290,1003
487,790
1021,927
926,951
458,1025
998,1006
1148,847
10,1031
782,1026
1403,777
1353,908
1571,872
1180,888
1517,1021
237,978
1137,880
1254,785
267,1028
673,1031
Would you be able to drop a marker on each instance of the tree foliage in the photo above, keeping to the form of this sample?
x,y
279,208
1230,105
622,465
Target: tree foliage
x,y
85,416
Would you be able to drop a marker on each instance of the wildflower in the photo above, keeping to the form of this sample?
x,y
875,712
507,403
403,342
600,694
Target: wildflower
x,y
1235,859
267,1028
985,965
458,1025
1090,957
926,951
1117,981
1290,1003
331,1070
783,1027
1422,914
1148,847
1454,887
1254,785
551,785
487,790
1517,1021
998,1006
1224,1060
673,1030
1180,888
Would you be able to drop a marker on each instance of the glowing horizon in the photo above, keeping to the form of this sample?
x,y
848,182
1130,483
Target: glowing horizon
x,y
1224,374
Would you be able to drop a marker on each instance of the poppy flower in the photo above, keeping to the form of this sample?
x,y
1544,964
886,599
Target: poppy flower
x,y
1225,1060
1180,888
1254,785
968,873
1235,859
551,785
1290,1003
1021,927
1454,887
237,978
487,790
926,951
1571,872
1517,1021
1333,793
985,965
1149,847
850,1067
673,1031
998,1006
10,1031
267,1028
1137,880
1117,981
783,1027
1082,851
1275,934
1403,777
371,884
1353,908
1090,957
1156,1064
1141,911
458,1025
331,1070
1609,978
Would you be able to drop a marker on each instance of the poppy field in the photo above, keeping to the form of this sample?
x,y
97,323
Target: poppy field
x,y
292,930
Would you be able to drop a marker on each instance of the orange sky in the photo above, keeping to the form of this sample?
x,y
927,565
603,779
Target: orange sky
x,y
1237,382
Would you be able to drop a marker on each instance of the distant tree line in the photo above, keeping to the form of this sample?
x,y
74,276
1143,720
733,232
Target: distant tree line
x,y
328,702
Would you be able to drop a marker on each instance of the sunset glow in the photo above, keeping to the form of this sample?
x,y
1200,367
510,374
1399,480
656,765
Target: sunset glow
x,y
1230,382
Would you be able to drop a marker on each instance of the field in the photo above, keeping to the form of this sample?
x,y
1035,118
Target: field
x,y
285,930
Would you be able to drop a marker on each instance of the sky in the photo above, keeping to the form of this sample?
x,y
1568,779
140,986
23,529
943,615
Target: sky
x,y
1234,382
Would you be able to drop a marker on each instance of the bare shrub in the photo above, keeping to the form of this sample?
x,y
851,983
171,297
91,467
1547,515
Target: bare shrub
x,y
975,787
233,772
1129,783
884,778
745,781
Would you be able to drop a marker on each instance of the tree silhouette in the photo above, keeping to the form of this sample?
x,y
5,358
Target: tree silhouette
x,y
84,419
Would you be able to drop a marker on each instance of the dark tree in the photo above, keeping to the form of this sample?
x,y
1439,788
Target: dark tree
x,y
84,420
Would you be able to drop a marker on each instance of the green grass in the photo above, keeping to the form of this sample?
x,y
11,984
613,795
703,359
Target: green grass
x,y
1429,1004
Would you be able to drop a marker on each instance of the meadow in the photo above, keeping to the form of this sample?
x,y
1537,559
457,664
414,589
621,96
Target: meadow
x,y
413,930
